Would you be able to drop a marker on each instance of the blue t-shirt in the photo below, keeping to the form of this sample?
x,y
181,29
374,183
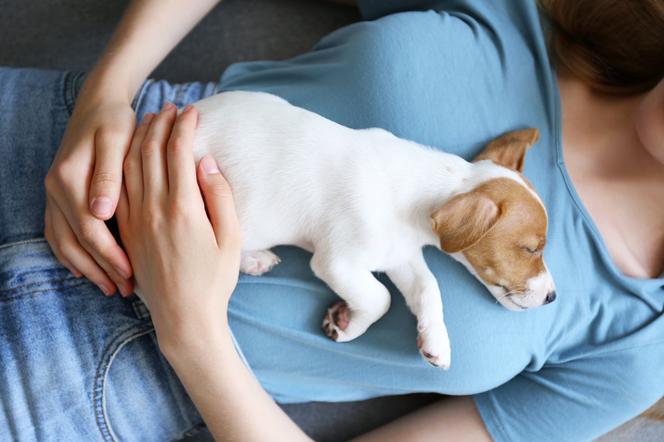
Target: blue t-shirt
x,y
454,75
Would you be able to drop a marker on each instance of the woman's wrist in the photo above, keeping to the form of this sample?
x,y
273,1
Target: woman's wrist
x,y
107,81
97,90
180,335
180,345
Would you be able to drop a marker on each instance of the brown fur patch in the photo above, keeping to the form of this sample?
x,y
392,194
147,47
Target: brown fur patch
x,y
502,251
464,220
509,150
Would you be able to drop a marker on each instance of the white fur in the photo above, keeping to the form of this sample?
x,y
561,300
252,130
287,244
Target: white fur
x,y
360,200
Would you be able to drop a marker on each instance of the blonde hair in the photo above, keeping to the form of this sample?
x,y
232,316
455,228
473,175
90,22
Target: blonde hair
x,y
613,45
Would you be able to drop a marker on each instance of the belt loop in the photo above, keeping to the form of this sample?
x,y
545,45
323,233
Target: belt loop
x,y
140,309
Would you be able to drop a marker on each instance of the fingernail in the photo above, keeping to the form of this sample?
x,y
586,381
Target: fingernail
x,y
187,108
106,290
124,291
102,206
209,165
167,106
76,274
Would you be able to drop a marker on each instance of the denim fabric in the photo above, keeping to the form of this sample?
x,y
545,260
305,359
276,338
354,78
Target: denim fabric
x,y
74,365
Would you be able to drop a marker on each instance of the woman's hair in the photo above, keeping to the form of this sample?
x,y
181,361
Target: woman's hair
x,y
613,45
657,411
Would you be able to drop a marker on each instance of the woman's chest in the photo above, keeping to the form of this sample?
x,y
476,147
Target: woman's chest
x,y
629,215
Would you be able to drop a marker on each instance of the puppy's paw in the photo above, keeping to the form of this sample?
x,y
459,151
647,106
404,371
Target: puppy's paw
x,y
434,346
336,320
257,262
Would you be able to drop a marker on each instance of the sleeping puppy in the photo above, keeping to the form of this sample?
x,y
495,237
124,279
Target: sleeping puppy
x,y
365,201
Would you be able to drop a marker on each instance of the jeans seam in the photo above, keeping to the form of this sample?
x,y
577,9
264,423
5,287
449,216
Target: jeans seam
x,y
99,387
71,90
138,98
197,428
18,243
19,292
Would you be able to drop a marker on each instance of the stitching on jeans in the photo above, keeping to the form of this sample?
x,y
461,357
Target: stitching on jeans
x,y
138,98
99,387
22,242
14,293
140,309
70,90
193,430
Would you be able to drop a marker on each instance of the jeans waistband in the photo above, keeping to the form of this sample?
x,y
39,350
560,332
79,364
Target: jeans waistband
x,y
154,93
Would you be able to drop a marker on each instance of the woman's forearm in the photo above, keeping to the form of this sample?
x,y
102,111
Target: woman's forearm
x,y
451,418
147,32
233,404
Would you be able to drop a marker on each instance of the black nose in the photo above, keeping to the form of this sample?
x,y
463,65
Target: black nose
x,y
550,297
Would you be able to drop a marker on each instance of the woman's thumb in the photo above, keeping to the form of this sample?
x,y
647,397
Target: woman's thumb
x,y
218,200
107,177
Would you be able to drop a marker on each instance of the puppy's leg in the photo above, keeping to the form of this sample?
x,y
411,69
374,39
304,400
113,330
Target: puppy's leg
x,y
257,262
365,299
420,288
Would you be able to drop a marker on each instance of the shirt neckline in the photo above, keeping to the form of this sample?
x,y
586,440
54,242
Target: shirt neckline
x,y
631,281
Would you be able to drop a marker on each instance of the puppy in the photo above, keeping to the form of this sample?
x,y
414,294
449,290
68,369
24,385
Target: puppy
x,y
365,201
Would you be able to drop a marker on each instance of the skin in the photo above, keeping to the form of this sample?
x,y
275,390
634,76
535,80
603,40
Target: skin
x,y
614,152
162,200
83,184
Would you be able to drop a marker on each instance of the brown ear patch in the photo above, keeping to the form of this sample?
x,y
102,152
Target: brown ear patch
x,y
509,150
464,220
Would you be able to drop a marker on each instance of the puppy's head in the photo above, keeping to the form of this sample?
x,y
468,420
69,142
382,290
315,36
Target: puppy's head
x,y
498,229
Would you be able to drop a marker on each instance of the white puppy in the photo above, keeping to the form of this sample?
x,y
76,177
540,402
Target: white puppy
x,y
365,201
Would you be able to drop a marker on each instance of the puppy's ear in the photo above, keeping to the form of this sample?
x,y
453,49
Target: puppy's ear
x,y
464,220
509,150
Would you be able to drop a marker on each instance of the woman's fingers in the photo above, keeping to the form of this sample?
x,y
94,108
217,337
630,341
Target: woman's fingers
x,y
110,148
64,244
122,213
219,202
180,158
51,238
153,157
133,169
94,236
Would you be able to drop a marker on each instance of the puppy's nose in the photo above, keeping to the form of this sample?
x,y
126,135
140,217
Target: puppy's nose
x,y
550,297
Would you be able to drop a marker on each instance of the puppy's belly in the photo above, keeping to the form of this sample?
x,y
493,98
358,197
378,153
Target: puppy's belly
x,y
263,229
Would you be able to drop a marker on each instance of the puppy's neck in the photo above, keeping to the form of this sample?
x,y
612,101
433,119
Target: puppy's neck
x,y
423,179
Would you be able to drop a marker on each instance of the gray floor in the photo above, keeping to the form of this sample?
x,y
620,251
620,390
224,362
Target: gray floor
x,y
69,35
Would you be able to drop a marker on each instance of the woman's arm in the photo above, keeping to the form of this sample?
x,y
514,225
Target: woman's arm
x,y
186,268
83,184
147,32
453,418
233,404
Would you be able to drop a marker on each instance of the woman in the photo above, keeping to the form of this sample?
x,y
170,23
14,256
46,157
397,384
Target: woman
x,y
452,77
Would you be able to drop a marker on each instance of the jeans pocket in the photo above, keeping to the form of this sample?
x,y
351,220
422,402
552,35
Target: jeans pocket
x,y
137,396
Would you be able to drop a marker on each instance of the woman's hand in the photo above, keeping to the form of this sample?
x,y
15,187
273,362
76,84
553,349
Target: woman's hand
x,y
84,182
186,264
83,186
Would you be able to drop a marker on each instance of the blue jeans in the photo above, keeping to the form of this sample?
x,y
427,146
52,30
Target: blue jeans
x,y
74,365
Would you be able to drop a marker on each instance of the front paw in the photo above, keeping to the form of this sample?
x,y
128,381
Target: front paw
x,y
336,320
434,345
257,262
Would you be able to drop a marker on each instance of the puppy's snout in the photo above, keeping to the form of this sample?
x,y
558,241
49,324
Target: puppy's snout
x,y
550,297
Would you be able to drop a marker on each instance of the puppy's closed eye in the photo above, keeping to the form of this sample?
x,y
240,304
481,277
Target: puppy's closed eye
x,y
535,251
